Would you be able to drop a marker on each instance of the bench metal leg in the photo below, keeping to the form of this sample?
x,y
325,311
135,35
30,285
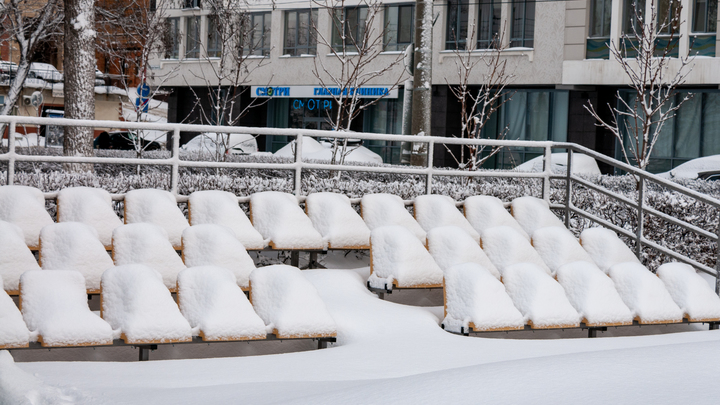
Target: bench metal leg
x,y
323,342
295,258
312,264
592,332
714,325
144,352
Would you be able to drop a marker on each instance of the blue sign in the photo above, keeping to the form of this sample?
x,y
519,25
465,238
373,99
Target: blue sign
x,y
142,101
272,91
312,104
143,90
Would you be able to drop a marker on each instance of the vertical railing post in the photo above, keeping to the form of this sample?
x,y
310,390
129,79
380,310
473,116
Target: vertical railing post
x,y
11,153
568,188
175,173
639,229
298,164
547,169
430,156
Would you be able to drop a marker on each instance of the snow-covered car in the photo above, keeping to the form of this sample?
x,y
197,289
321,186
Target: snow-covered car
x,y
45,71
124,140
323,150
238,144
706,167
581,164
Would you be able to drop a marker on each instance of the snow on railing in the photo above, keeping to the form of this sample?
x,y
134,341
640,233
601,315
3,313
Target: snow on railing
x,y
429,171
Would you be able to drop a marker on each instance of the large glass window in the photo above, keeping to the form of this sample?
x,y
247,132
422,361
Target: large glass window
x,y
172,45
522,30
705,16
354,26
489,17
457,24
214,46
259,35
192,39
399,22
300,35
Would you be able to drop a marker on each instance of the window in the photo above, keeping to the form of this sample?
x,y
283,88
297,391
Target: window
x,y
191,3
192,43
354,18
259,43
489,17
399,31
599,32
172,42
300,36
522,30
214,45
667,11
457,24
705,16
630,23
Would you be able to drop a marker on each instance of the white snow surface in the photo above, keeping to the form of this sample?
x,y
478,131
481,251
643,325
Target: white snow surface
x,y
558,247
157,207
215,306
473,294
538,296
388,209
336,220
278,217
606,248
54,306
91,206
136,303
644,293
450,246
13,331
396,255
74,246
592,293
147,244
18,387
288,303
15,257
533,213
505,247
221,208
691,169
25,207
581,164
315,150
690,291
216,245
485,212
432,211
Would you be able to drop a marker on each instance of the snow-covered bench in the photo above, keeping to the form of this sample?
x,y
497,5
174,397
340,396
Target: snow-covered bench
x,y
386,209
606,248
506,246
691,292
533,213
147,244
450,246
216,307
645,294
91,206
15,257
485,212
54,306
74,246
336,220
558,247
24,207
279,218
216,245
432,211
157,207
13,331
221,208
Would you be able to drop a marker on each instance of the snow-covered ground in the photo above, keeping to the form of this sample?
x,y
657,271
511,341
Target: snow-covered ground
x,y
389,352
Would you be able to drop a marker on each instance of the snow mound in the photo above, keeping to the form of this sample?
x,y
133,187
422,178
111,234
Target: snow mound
x,y
387,209
74,246
644,294
15,257
279,218
558,247
581,164
432,211
147,244
137,304
485,212
54,306
24,207
505,246
336,220
221,208
212,302
289,304
91,206
157,207
593,294
692,294
449,246
533,213
13,332
216,245
606,248
539,297
397,257
315,150
18,387
475,298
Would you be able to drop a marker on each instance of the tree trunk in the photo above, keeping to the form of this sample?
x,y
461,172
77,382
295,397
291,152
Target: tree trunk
x,y
79,64
422,92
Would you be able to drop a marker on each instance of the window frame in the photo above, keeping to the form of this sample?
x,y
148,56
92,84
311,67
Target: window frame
x,y
708,18
524,40
265,32
213,48
359,28
173,50
459,43
311,37
493,26
391,43
190,4
603,34
193,53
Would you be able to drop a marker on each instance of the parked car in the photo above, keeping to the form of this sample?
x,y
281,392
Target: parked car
x,y
7,69
124,140
239,144
45,71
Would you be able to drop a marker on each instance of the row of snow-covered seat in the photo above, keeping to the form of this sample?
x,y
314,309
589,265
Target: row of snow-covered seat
x,y
137,307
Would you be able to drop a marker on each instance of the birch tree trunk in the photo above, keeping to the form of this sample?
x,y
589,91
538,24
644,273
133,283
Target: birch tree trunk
x,y
422,93
79,65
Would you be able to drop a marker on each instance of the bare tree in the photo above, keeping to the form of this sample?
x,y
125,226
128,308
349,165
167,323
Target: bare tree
x,y
354,49
478,104
654,76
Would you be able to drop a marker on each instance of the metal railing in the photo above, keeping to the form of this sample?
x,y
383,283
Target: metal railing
x,y
639,205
